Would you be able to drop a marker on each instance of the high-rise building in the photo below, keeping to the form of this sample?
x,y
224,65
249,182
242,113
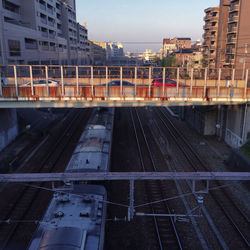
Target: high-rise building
x,y
230,33
210,35
41,32
238,35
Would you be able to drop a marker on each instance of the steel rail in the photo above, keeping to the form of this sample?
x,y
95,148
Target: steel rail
x,y
144,169
174,230
34,194
201,164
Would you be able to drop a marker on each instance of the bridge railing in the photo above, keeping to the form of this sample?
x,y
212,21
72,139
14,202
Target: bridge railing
x,y
95,82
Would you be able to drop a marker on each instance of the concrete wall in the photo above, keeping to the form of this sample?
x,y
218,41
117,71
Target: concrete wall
x,y
202,119
8,126
235,125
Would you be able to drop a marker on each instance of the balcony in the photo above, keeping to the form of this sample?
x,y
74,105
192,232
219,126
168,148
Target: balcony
x,y
42,7
44,33
214,18
233,19
50,11
45,47
212,47
51,24
206,27
43,20
230,51
214,28
234,8
52,35
232,30
231,40
206,18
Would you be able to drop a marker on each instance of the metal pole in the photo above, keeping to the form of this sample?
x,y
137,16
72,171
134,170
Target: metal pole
x,y
164,82
77,80
1,88
107,77
121,82
244,124
92,80
31,81
149,81
205,83
47,79
15,74
135,82
131,201
244,63
233,77
219,79
178,81
232,87
245,89
62,81
191,87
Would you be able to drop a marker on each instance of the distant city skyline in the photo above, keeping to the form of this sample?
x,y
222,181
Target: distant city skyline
x,y
141,25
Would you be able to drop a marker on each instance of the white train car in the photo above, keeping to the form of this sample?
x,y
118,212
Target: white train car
x,y
73,221
93,150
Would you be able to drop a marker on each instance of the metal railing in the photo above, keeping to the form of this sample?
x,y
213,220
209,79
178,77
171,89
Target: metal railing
x,y
154,82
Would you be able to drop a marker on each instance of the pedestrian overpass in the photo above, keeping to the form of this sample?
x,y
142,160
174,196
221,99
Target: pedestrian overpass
x,y
39,86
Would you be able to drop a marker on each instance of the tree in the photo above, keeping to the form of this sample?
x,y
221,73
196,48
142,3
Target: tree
x,y
169,61
204,62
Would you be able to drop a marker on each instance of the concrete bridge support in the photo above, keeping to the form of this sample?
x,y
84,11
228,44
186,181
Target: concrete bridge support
x,y
229,123
236,125
8,126
202,119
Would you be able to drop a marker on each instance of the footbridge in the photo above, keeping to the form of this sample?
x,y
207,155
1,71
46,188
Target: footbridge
x,y
40,86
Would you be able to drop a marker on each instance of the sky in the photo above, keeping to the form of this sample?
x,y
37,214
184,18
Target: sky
x,y
138,22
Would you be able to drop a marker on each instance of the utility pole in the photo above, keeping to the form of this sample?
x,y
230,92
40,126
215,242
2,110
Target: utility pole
x,y
244,62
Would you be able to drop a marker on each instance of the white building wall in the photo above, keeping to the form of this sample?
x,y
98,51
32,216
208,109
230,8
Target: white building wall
x,y
53,26
8,128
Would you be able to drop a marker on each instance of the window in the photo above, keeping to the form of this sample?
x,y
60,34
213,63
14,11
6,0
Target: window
x,y
14,48
30,43
11,7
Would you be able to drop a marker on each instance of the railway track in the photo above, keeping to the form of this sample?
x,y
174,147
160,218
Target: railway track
x,y
22,206
234,214
165,230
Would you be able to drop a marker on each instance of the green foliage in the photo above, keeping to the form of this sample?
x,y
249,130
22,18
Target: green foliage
x,y
204,62
169,61
246,149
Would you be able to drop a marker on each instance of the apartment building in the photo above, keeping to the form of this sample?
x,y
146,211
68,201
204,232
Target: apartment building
x,y
168,47
41,32
238,36
182,42
210,35
228,28
97,53
177,43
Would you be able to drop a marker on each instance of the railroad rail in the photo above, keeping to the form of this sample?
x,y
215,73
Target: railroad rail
x,y
224,201
25,198
90,86
165,228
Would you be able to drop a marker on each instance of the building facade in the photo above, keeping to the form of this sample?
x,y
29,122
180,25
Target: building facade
x,y
41,32
238,36
210,35
227,36
177,43
182,42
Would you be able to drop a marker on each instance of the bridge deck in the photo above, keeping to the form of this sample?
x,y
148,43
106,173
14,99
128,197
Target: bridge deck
x,y
94,89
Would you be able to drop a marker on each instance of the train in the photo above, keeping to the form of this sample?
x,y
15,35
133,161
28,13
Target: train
x,y
93,150
75,217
